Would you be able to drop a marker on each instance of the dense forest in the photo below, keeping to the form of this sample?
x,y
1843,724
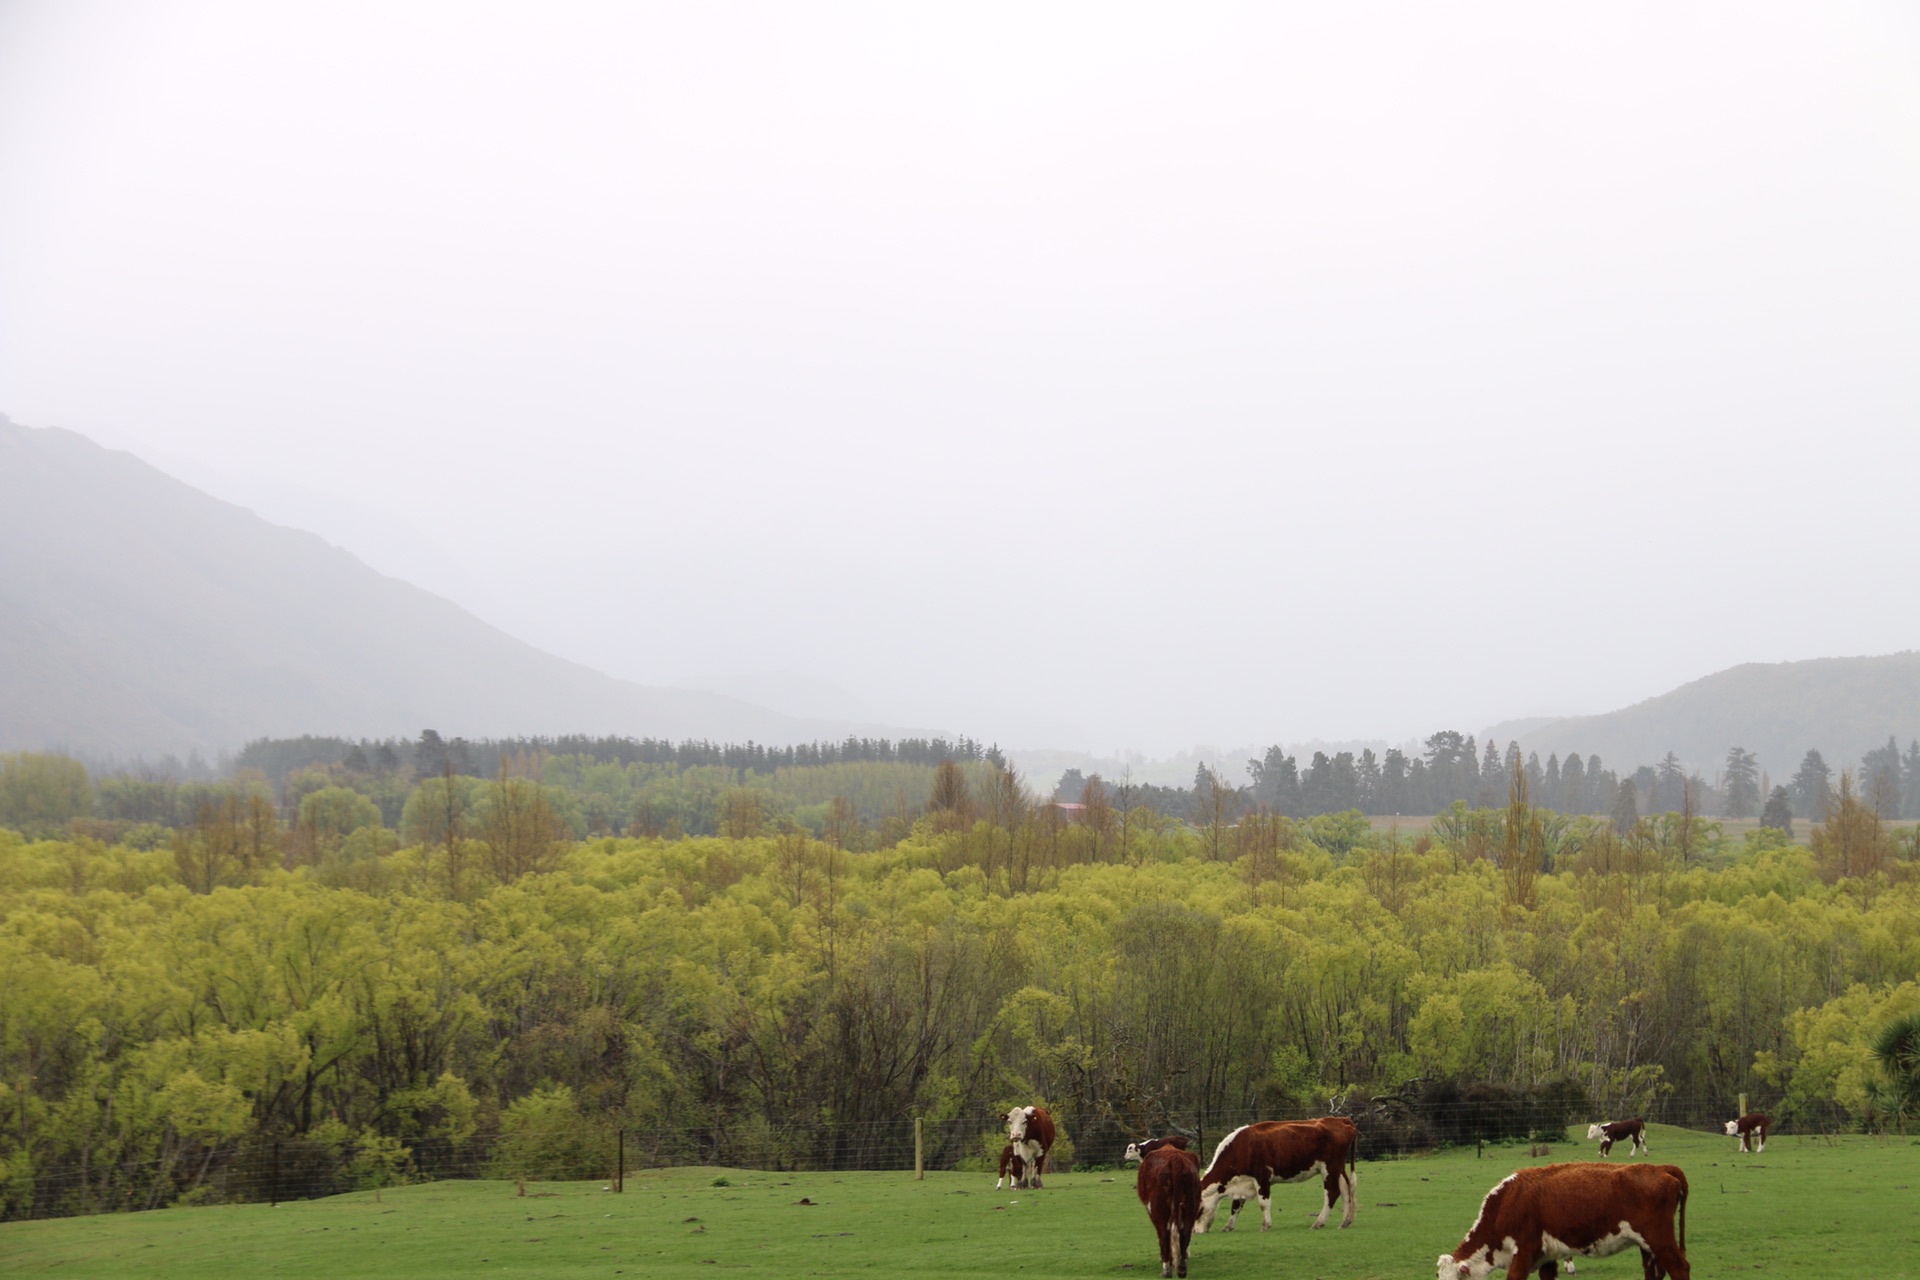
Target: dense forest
x,y
412,973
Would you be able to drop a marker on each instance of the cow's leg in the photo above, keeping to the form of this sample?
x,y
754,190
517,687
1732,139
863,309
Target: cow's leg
x,y
1661,1255
1233,1215
1524,1258
1606,1145
1162,1220
1037,1166
1266,1205
1549,1270
1350,1184
1763,1141
1329,1192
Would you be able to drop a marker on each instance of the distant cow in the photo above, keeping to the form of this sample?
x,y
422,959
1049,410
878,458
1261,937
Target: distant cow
x,y
1610,1133
1010,1160
1539,1218
1030,1134
1747,1127
1139,1150
1253,1157
1169,1185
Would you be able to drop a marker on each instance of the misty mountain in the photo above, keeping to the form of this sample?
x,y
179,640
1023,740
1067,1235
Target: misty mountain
x,y
1843,706
140,616
787,692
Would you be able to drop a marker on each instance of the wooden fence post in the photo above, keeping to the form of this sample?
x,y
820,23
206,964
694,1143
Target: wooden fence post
x,y
919,1152
620,1164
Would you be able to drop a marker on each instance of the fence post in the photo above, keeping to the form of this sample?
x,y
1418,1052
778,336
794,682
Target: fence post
x,y
620,1165
1743,1102
919,1152
273,1184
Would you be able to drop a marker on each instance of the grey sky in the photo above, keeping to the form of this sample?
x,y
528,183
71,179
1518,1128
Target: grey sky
x,y
1084,375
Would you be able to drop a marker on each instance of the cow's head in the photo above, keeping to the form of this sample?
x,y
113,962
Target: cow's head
x,y
1596,1131
1733,1128
1209,1205
1471,1267
1133,1154
1017,1123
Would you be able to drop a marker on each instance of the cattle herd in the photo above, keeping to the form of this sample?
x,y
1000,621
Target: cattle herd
x,y
1533,1219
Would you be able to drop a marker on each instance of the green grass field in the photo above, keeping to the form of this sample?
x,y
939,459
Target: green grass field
x,y
1808,1207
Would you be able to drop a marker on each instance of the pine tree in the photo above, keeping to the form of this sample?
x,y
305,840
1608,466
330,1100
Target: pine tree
x,y
1741,781
1491,772
1573,786
1778,812
1626,809
1880,779
1813,788
1669,786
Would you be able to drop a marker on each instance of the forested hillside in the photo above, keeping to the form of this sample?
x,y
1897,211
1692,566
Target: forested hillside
x,y
1846,707
481,981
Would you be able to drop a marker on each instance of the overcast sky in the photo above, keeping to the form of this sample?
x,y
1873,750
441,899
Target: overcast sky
x,y
1085,375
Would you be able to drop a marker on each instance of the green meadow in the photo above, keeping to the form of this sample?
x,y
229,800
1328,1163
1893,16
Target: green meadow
x,y
1810,1206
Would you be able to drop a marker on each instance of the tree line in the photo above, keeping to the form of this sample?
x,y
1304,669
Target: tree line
x,y
430,755
1452,769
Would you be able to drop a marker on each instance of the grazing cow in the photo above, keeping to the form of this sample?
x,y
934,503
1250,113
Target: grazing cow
x,y
1747,1127
1610,1133
1010,1159
1252,1158
1030,1134
1539,1218
1169,1185
1139,1150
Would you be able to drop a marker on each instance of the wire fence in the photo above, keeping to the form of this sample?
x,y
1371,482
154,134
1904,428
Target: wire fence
x,y
301,1168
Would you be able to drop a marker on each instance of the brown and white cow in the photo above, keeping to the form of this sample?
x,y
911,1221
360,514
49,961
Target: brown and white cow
x,y
1169,1185
1139,1150
1747,1127
1614,1131
1252,1158
1539,1218
1030,1134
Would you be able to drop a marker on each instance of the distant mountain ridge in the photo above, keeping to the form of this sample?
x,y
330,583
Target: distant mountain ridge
x,y
1844,707
141,616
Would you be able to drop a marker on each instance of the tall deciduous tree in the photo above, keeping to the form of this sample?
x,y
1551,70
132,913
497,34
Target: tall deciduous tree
x,y
1096,815
1214,807
1851,842
520,828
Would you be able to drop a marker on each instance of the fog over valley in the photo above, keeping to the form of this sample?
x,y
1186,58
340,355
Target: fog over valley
x,y
1087,377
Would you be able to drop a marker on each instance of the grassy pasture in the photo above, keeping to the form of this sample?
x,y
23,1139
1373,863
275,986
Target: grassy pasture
x,y
1808,1207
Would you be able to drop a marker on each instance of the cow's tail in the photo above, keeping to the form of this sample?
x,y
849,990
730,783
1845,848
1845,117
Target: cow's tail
x,y
1683,1217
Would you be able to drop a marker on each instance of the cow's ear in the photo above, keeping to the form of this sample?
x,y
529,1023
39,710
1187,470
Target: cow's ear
x,y
1030,1111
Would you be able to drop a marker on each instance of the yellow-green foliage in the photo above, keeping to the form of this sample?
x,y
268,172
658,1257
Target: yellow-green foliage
x,y
710,987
